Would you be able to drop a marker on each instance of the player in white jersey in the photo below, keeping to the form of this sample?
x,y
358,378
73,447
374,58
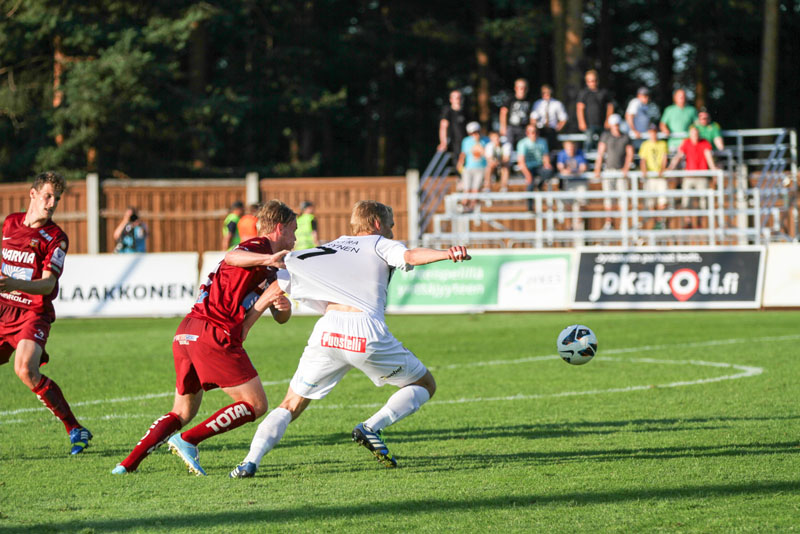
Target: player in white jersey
x,y
347,280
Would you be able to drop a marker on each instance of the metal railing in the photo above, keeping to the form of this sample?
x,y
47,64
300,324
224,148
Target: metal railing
x,y
741,211
565,217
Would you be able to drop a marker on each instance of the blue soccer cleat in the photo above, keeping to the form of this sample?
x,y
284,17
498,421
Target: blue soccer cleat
x,y
372,441
119,470
244,470
187,452
79,438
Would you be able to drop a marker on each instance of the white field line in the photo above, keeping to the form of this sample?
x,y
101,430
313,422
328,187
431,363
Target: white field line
x,y
746,371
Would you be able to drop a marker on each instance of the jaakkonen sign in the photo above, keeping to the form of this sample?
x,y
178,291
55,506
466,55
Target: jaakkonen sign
x,y
696,277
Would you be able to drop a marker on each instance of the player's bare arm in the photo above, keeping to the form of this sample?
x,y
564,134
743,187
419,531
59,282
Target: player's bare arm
x,y
272,297
422,256
246,259
43,286
281,309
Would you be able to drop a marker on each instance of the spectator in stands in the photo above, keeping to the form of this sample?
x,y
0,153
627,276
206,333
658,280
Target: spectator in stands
x,y
617,150
549,116
710,131
637,115
697,153
677,118
131,233
472,164
498,161
306,235
230,226
653,162
247,224
515,113
452,123
533,157
571,166
593,110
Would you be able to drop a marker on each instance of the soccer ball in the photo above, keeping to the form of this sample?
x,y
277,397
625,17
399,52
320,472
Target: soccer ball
x,y
577,344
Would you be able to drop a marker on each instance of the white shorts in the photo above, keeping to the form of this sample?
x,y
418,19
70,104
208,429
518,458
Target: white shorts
x,y
472,179
697,183
343,340
656,185
610,184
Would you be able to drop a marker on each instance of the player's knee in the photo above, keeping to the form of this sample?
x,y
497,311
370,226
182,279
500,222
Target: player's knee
x,y
295,405
260,406
428,383
30,377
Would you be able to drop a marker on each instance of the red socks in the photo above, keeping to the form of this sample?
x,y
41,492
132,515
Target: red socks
x,y
227,418
50,394
158,433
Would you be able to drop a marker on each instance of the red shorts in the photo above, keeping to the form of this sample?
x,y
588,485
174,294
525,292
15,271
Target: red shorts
x,y
206,358
17,324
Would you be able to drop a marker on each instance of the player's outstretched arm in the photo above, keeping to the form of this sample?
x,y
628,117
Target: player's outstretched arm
x,y
245,259
422,256
42,286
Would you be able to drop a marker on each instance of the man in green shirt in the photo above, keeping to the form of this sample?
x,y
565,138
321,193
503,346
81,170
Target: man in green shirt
x,y
306,233
677,118
230,230
710,131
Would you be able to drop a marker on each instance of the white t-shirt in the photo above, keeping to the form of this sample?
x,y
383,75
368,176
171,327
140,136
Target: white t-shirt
x,y
641,115
351,270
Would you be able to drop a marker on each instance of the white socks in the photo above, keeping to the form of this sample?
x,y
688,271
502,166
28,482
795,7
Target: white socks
x,y
405,401
269,433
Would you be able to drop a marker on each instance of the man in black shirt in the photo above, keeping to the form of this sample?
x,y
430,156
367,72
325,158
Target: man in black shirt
x,y
452,125
593,109
515,113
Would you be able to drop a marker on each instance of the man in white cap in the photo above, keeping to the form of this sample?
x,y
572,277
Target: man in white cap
x,y
617,149
472,163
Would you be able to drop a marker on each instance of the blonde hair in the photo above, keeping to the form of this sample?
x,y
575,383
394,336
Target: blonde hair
x,y
273,213
366,213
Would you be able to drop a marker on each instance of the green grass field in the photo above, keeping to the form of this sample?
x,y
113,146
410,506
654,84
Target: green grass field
x,y
684,422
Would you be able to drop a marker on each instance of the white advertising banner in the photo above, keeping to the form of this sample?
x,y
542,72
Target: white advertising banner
x,y
209,264
512,279
782,281
127,285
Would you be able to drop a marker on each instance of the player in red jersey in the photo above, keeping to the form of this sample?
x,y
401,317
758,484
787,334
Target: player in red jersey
x,y
34,249
207,347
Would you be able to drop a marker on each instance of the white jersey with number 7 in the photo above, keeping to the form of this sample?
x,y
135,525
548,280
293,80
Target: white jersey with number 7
x,y
351,270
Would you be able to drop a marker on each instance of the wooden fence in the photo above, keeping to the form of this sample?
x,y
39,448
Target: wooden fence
x,y
187,215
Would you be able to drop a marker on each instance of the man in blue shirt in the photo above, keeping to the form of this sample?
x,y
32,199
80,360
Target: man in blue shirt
x,y
472,163
533,158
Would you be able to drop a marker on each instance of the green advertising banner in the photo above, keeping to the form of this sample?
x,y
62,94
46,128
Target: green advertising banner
x,y
493,280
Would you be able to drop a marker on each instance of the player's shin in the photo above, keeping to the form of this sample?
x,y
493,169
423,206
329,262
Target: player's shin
x,y
269,433
158,433
404,402
228,418
50,394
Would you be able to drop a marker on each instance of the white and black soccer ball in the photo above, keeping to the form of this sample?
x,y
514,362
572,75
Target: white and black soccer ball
x,y
577,344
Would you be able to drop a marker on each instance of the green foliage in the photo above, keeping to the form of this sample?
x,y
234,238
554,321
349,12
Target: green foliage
x,y
514,439
208,88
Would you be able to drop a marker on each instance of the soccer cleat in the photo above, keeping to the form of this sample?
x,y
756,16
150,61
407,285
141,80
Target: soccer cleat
x,y
372,441
244,470
119,470
79,438
187,452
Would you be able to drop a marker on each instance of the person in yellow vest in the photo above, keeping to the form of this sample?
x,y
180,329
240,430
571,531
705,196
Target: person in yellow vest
x,y
230,230
306,233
